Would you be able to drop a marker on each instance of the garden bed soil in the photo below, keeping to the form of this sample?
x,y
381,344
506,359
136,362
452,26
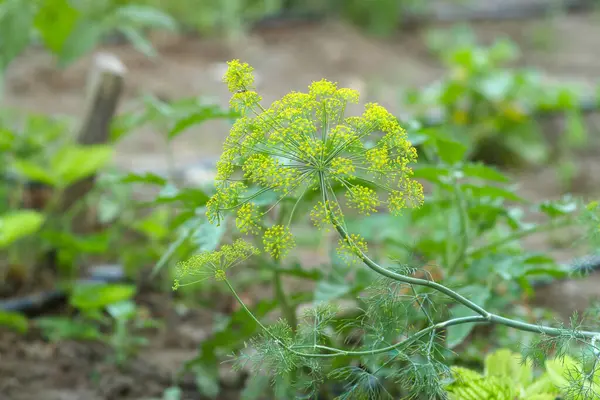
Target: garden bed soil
x,y
31,368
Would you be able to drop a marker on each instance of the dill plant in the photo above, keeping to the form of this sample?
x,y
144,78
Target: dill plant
x,y
305,144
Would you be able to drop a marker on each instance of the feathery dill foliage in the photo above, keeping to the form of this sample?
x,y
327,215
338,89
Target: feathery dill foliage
x,y
304,142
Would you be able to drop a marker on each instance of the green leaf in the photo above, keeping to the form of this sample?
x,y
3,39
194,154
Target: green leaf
x,y
298,271
83,38
55,20
143,16
168,254
34,173
560,369
458,333
491,192
59,328
18,224
16,22
139,42
204,235
14,321
205,113
434,173
576,132
190,197
450,151
207,380
207,236
482,171
95,296
123,310
469,385
326,291
542,387
73,163
148,178
564,206
504,363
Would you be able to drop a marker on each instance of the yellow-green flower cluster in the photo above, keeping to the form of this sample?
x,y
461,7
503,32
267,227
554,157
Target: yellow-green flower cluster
x,y
352,248
323,214
248,219
278,241
364,199
213,264
305,141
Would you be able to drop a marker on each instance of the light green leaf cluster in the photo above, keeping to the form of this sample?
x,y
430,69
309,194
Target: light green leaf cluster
x,y
305,142
507,376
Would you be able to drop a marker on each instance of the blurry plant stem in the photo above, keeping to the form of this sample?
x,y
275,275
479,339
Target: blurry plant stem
x,y
287,309
549,226
463,215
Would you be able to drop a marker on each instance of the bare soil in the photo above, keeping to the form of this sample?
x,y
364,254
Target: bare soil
x,y
285,59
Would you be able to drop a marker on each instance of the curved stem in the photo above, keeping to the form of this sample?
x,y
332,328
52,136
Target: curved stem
x,y
338,352
487,316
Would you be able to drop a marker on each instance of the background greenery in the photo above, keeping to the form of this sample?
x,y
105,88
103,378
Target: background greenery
x,y
468,235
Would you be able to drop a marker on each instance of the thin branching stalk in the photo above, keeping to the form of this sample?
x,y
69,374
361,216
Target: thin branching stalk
x,y
463,215
288,310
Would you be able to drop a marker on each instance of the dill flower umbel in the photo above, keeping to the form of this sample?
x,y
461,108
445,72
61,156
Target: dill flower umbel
x,y
213,264
304,142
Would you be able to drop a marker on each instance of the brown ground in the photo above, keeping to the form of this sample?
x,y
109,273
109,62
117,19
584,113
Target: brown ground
x,y
284,60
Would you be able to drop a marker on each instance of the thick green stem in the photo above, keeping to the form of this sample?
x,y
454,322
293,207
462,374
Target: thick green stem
x,y
487,316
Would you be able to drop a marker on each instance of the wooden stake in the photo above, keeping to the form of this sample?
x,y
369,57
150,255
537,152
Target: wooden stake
x,y
105,87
